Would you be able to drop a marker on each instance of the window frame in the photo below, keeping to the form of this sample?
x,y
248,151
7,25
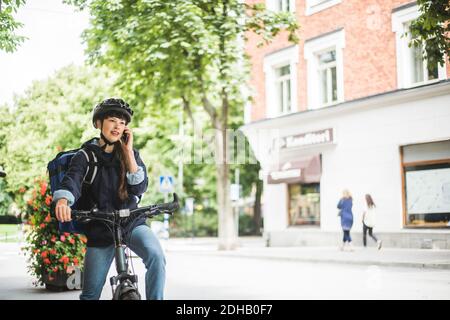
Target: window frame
x,y
273,61
420,164
313,48
272,5
400,21
314,6
327,67
286,91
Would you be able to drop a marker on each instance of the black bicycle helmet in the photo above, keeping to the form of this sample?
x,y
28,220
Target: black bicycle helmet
x,y
111,105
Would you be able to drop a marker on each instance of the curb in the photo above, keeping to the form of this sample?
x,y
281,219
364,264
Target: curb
x,y
417,265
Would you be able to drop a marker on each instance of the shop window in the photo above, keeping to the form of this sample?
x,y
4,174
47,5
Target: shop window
x,y
304,204
426,180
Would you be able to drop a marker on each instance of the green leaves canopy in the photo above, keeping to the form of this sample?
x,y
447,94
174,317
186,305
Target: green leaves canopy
x,y
8,25
433,28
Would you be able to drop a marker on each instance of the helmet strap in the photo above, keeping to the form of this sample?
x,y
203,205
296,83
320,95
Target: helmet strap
x,y
107,142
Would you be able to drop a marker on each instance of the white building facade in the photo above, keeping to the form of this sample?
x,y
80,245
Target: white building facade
x,y
394,145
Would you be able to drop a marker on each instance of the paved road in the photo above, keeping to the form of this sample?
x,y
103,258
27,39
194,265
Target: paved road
x,y
210,274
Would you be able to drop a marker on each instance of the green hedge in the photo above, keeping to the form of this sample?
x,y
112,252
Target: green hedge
x,y
8,219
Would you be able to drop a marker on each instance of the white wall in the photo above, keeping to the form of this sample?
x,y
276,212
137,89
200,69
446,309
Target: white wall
x,y
275,207
366,159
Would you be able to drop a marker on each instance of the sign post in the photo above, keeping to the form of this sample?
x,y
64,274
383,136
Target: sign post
x,y
166,186
190,212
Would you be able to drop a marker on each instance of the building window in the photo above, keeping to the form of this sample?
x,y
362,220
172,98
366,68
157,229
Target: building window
x,y
325,77
304,204
412,69
280,70
283,87
426,184
281,5
313,6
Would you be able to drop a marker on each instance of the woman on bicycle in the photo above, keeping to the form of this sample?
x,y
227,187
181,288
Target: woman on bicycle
x,y
121,179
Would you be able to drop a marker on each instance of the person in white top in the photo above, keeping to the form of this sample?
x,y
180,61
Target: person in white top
x,y
369,215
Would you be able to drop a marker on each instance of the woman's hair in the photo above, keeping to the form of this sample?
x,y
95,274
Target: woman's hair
x,y
369,201
346,194
123,192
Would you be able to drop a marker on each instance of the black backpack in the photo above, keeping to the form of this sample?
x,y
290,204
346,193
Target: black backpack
x,y
57,169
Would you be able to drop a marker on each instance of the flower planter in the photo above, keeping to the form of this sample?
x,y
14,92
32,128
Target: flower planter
x,y
62,281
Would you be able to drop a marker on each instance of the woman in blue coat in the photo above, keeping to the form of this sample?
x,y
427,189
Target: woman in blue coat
x,y
345,212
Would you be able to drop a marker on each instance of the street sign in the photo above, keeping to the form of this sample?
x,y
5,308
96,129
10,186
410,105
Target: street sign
x,y
166,184
234,192
189,206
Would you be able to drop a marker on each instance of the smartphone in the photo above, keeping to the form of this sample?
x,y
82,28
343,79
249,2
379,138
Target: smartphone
x,y
124,138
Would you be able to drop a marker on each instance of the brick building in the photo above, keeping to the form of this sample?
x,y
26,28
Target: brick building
x,y
351,106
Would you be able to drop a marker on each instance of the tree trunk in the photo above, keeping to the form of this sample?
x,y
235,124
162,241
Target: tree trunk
x,y
257,217
228,239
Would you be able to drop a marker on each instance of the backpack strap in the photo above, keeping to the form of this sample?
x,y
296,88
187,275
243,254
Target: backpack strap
x,y
91,171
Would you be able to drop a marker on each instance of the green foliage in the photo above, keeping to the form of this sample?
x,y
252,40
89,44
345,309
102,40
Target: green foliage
x,y
53,115
6,199
203,223
47,251
9,41
432,28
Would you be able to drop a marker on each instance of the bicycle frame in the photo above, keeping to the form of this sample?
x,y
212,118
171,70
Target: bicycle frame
x,y
124,284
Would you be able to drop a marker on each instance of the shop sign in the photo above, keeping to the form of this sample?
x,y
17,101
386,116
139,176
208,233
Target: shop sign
x,y
307,139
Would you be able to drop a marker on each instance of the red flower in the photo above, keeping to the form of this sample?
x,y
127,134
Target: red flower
x,y
43,188
48,218
47,261
44,254
72,240
53,239
66,234
48,200
62,238
22,190
53,251
75,261
42,225
55,269
64,259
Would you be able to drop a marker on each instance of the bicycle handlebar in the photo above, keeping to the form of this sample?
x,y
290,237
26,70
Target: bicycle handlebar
x,y
148,211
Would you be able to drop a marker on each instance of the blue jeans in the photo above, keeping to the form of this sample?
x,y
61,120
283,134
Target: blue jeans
x,y
347,236
144,243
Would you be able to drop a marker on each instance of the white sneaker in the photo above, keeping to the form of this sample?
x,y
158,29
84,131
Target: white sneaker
x,y
379,242
350,247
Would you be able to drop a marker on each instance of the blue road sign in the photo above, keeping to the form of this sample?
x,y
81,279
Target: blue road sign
x,y
166,183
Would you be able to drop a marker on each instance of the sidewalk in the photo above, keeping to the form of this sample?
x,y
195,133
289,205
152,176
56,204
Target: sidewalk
x,y
254,248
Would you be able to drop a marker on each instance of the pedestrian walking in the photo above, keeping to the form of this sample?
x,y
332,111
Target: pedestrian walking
x,y
345,212
368,220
